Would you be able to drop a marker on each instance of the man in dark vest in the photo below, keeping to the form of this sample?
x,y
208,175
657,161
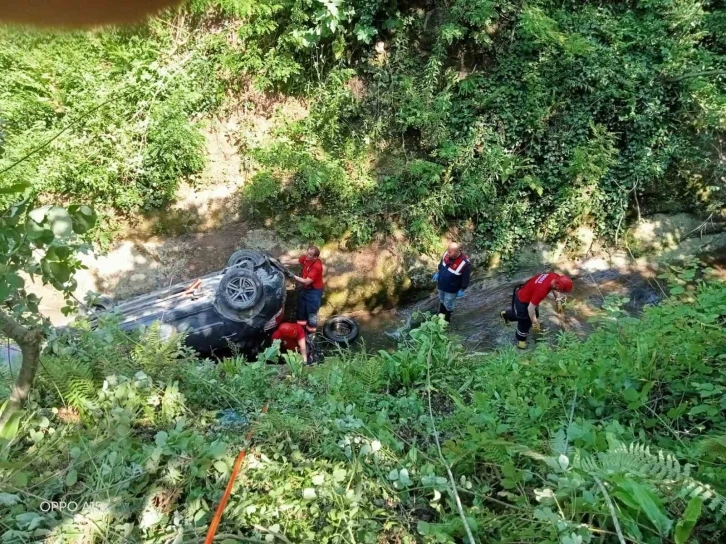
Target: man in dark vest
x,y
452,278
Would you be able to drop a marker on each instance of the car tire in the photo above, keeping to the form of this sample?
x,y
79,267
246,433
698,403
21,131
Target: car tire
x,y
103,304
100,305
246,258
341,330
240,289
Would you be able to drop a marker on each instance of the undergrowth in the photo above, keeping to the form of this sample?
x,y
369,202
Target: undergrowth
x,y
512,121
110,117
620,433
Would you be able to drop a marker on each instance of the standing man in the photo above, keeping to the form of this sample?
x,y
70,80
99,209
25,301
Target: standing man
x,y
310,294
292,337
452,279
526,299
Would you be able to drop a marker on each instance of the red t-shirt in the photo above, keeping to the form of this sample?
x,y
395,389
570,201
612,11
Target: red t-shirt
x,y
537,288
312,270
289,334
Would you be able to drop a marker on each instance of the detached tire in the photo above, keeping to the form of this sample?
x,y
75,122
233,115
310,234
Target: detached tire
x,y
240,289
246,258
341,330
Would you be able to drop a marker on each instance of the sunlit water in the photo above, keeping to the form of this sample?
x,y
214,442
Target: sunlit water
x,y
477,324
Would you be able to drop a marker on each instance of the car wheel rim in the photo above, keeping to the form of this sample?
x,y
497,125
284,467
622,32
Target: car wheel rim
x,y
241,290
341,329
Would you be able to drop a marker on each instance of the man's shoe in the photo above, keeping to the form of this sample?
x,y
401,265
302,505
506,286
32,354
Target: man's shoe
x,y
503,315
522,344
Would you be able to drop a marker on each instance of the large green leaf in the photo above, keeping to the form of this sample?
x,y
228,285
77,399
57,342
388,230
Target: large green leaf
x,y
35,230
60,221
57,270
685,525
71,478
84,218
58,253
18,187
38,214
647,501
14,281
10,429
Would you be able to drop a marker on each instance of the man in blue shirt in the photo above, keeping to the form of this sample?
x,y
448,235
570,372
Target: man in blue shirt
x,y
452,278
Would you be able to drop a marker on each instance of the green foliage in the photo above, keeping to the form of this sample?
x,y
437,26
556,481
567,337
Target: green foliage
x,y
519,120
661,469
540,444
115,109
286,44
41,242
76,362
523,120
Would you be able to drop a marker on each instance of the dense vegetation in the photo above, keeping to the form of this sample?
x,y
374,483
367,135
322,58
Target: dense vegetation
x,y
517,120
622,434
126,103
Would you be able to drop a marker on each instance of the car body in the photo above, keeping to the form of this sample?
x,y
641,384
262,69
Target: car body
x,y
237,306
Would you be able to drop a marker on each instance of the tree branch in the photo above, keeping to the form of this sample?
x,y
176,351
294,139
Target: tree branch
x,y
698,74
454,491
611,507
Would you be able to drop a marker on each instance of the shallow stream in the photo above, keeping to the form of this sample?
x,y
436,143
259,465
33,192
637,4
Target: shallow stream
x,y
476,320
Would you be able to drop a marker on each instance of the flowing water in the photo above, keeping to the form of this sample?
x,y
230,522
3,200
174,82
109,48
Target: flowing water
x,y
476,320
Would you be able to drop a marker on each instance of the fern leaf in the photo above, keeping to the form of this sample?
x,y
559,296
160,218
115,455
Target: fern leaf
x,y
71,379
558,443
371,375
662,469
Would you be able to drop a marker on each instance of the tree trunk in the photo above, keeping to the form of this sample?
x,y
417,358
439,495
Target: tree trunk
x,y
29,340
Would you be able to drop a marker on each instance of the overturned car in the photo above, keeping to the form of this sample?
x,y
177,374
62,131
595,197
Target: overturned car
x,y
237,306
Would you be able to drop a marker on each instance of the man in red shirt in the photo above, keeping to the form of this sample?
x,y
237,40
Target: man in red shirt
x,y
310,294
292,337
526,299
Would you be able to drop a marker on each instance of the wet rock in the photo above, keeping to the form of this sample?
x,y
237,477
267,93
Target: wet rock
x,y
661,232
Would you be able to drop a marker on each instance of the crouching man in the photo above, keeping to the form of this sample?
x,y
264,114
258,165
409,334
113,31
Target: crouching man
x,y
526,300
293,338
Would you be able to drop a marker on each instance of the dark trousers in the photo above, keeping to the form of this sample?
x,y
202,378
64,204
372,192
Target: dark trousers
x,y
308,305
518,312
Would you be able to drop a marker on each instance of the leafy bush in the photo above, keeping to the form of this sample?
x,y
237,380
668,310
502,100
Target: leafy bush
x,y
116,110
285,45
523,120
518,120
